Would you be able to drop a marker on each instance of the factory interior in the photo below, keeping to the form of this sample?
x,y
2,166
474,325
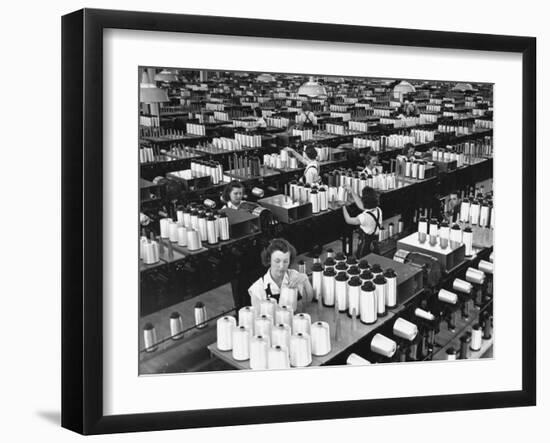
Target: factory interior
x,y
300,220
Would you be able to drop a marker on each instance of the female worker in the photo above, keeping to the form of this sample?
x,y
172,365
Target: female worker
x,y
309,160
369,220
372,167
260,121
406,155
278,255
453,207
232,194
408,151
232,197
307,117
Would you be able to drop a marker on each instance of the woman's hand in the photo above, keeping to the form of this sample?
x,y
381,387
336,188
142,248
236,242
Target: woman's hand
x,y
297,281
304,287
144,220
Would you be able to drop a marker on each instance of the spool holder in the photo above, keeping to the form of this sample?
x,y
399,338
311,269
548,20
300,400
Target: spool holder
x,y
464,307
487,326
431,338
401,352
479,292
424,348
464,346
452,319
413,351
489,284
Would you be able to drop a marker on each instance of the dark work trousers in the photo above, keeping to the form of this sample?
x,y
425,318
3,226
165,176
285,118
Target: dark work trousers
x,y
367,244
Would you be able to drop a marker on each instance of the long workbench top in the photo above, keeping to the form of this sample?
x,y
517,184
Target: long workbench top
x,y
345,331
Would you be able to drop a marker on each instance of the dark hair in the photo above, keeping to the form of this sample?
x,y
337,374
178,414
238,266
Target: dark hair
x,y
407,147
368,158
306,106
230,186
311,152
369,197
277,244
258,112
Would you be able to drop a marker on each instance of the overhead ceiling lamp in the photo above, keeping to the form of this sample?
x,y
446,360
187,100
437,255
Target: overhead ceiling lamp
x,y
166,76
149,93
312,89
265,78
404,88
463,87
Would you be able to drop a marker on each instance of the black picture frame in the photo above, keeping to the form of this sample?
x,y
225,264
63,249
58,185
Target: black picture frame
x,y
82,187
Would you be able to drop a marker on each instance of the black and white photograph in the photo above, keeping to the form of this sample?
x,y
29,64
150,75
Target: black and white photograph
x,y
295,220
253,222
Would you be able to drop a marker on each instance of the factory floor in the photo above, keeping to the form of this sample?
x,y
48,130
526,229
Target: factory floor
x,y
201,360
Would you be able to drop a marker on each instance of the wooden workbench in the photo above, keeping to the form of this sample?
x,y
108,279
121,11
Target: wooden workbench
x,y
169,352
409,284
446,338
349,332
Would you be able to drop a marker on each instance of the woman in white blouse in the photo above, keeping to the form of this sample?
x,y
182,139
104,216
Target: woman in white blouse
x,y
372,167
278,256
232,194
309,160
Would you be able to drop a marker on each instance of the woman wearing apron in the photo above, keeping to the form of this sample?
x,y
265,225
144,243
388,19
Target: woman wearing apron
x,y
278,256
260,121
452,214
372,167
309,160
369,221
309,121
232,197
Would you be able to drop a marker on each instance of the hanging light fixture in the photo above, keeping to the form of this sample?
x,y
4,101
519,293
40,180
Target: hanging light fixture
x,y
265,78
402,89
149,93
166,76
463,87
312,89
